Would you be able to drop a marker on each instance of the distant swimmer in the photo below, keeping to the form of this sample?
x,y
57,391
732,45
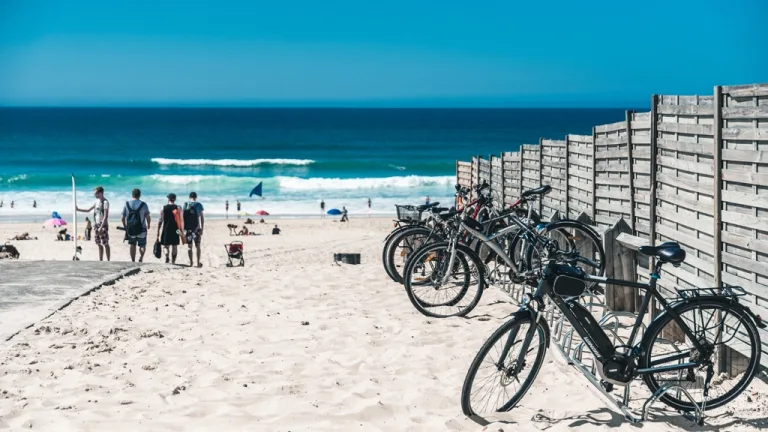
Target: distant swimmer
x,y
34,204
322,208
11,204
226,208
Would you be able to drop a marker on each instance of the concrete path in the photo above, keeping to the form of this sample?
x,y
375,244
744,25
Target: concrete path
x,y
32,290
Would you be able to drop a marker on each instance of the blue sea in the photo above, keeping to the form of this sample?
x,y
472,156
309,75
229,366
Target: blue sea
x,y
343,156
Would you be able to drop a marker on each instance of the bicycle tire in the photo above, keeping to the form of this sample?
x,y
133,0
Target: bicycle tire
x,y
518,319
473,260
725,305
565,224
387,243
389,261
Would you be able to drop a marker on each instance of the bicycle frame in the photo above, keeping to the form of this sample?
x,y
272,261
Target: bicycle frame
x,y
595,337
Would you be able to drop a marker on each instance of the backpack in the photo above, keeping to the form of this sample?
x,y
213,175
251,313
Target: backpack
x,y
191,216
133,225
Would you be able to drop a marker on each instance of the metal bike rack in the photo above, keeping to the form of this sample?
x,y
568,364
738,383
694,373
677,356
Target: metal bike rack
x,y
609,321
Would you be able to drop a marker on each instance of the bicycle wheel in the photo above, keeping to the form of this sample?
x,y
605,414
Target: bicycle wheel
x,y
401,247
440,289
578,243
387,244
498,388
664,345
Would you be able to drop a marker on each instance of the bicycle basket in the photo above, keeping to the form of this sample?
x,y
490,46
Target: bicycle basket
x,y
408,213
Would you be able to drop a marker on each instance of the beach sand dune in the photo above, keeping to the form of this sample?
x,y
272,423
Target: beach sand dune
x,y
290,342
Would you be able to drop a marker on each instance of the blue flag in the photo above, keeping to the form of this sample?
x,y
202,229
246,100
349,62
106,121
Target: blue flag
x,y
256,190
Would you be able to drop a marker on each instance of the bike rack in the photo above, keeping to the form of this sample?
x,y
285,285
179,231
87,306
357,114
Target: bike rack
x,y
609,321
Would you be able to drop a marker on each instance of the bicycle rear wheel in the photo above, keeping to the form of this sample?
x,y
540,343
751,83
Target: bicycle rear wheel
x,y
402,246
440,288
491,384
710,320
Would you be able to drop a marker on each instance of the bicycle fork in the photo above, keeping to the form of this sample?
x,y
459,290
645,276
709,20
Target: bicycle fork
x,y
519,362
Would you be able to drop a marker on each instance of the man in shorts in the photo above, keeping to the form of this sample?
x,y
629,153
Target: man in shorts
x,y
194,222
100,222
140,209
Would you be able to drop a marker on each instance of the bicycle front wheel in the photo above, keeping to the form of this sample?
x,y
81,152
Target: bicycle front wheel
x,y
494,382
717,325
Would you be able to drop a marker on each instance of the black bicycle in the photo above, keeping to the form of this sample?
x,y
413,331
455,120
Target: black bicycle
x,y
699,321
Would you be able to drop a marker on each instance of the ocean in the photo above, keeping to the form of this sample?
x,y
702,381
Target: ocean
x,y
342,156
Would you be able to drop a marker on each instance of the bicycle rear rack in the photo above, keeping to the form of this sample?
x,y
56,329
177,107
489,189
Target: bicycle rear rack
x,y
609,320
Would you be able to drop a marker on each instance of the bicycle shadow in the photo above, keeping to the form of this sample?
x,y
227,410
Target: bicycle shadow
x,y
597,417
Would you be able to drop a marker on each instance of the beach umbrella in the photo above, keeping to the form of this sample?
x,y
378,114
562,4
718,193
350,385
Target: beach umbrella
x,y
334,212
55,215
262,213
54,222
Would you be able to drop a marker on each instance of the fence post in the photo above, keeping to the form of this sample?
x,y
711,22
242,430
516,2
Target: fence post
x,y
541,174
565,207
594,176
631,168
717,207
620,265
652,198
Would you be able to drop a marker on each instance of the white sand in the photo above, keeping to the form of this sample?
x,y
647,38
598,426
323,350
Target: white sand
x,y
225,349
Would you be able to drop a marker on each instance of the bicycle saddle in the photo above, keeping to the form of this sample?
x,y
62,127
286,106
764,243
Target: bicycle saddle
x,y
541,190
669,252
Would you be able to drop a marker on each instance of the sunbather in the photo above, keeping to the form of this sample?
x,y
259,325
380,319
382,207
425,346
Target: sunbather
x,y
24,236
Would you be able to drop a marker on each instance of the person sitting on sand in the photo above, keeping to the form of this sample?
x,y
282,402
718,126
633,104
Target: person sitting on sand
x,y
249,221
243,231
262,221
61,235
275,230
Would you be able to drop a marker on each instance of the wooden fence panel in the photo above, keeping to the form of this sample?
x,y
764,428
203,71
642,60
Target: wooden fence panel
x,y
531,165
685,186
580,175
744,196
497,179
475,176
612,179
640,139
483,170
554,164
464,173
512,176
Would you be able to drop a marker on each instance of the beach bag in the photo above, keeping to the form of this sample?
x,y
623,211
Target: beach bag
x,y
156,249
191,217
133,226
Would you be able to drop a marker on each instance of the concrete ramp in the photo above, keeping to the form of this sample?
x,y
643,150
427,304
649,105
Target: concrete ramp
x,y
30,291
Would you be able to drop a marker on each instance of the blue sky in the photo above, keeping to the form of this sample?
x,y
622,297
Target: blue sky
x,y
363,53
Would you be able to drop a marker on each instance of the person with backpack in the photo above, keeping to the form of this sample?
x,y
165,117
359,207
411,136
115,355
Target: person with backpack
x,y
168,227
136,222
100,222
193,225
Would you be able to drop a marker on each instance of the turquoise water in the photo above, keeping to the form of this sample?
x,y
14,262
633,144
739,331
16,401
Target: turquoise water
x,y
343,156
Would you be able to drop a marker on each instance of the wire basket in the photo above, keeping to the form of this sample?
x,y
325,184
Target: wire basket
x,y
408,213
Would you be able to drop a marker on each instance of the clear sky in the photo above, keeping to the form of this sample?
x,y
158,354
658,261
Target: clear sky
x,y
376,53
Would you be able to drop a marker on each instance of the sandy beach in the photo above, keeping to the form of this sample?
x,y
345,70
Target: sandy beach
x,y
290,342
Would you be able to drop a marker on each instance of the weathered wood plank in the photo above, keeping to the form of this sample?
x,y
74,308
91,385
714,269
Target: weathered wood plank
x,y
687,147
580,162
745,220
685,128
640,124
586,151
612,154
580,138
745,263
675,217
698,243
675,199
702,186
612,207
743,112
758,179
612,166
748,134
614,194
611,181
746,199
700,110
748,90
690,166
610,127
610,140
745,242
753,156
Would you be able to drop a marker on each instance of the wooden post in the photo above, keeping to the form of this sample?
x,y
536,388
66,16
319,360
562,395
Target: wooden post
x,y
723,354
594,176
652,199
565,207
620,264
629,114
541,174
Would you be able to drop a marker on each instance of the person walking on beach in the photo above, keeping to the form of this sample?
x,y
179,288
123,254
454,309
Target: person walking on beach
x,y
88,228
238,209
136,222
322,209
100,221
344,217
226,208
1,204
11,204
427,201
168,231
34,204
193,225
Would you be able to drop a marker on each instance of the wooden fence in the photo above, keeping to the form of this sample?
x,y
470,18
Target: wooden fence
x,y
694,169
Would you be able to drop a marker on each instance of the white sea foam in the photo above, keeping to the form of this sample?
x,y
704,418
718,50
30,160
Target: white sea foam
x,y
232,162
296,183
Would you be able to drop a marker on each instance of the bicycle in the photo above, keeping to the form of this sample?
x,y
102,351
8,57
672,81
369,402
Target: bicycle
x,y
526,333
454,265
